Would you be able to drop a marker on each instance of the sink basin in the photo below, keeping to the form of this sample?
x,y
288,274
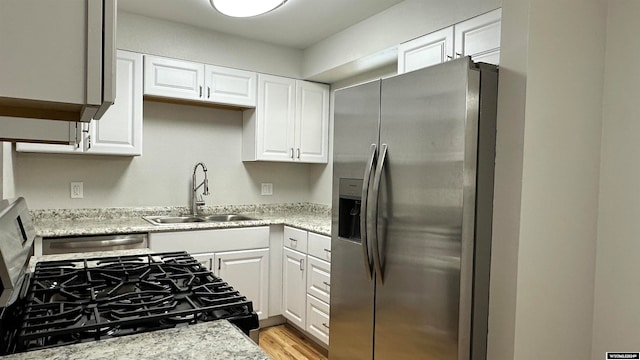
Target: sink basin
x,y
186,219
173,219
226,217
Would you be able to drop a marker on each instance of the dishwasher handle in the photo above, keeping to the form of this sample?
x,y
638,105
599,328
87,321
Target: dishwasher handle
x,y
93,243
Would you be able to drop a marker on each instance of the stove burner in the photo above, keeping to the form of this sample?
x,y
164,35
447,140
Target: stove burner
x,y
91,299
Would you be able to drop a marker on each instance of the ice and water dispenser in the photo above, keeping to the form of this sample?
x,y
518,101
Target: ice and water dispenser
x,y
350,197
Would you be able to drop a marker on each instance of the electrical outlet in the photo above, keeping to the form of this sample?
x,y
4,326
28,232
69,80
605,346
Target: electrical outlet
x,y
77,189
267,189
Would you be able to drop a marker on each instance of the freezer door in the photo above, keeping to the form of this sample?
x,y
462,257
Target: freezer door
x,y
425,212
352,284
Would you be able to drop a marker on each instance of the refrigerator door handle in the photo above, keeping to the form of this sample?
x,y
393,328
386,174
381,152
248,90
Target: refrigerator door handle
x,y
363,211
374,212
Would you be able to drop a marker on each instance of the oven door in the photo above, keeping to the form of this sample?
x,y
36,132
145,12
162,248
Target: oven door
x,y
83,244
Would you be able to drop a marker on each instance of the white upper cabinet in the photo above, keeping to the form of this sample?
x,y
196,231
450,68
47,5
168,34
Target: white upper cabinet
x,y
186,80
290,122
119,132
230,86
431,49
312,122
275,120
478,37
173,78
57,59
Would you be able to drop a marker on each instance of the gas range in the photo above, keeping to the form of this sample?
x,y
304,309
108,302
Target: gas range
x,y
68,302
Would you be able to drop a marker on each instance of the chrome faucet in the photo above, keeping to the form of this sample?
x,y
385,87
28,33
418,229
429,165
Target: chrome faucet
x,y
205,191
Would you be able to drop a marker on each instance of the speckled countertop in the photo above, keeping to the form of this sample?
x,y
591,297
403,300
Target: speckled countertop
x,y
75,222
208,340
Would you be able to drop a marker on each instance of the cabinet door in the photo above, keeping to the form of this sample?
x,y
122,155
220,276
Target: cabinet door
x,y
173,78
294,286
318,319
119,132
318,279
49,129
248,272
431,49
479,37
205,259
230,86
275,118
312,122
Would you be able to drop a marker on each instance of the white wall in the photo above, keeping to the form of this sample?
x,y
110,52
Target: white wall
x,y
160,37
176,137
616,323
558,212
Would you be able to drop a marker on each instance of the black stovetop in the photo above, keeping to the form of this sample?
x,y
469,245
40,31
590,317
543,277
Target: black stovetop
x,y
91,299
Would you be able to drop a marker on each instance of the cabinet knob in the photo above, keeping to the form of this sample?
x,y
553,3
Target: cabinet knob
x,y
327,250
200,91
325,325
326,283
292,153
301,264
208,92
298,152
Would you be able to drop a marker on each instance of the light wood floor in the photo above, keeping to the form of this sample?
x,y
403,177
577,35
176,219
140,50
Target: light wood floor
x,y
284,342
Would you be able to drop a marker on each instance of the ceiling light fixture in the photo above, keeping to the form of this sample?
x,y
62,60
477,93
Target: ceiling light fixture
x,y
246,8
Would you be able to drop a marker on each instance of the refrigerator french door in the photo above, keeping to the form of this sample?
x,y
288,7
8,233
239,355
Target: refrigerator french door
x,y
413,189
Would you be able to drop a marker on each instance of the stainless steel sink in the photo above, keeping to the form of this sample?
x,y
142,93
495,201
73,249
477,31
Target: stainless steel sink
x,y
226,217
173,219
185,219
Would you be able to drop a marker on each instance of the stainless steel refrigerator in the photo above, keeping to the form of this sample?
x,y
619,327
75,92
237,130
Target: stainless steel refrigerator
x,y
411,228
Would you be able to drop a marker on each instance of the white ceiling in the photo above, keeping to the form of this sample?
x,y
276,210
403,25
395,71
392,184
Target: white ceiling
x,y
296,24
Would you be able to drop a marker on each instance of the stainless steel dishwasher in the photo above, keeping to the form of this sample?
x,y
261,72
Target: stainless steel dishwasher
x,y
80,244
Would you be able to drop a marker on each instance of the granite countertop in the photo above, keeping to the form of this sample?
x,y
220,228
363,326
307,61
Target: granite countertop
x,y
208,340
77,222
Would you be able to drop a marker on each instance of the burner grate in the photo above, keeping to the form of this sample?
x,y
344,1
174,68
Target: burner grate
x,y
97,298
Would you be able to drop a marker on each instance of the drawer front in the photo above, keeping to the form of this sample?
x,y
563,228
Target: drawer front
x,y
295,239
318,319
319,246
204,241
318,278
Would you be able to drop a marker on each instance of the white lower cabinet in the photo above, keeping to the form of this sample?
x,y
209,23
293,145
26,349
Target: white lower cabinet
x,y
239,256
306,287
294,286
318,278
318,319
205,259
248,272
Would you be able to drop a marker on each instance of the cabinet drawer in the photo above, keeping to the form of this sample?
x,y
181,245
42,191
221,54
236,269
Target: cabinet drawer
x,y
204,241
318,319
318,278
295,239
319,246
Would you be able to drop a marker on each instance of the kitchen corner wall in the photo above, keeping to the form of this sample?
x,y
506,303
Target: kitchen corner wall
x,y
616,319
176,137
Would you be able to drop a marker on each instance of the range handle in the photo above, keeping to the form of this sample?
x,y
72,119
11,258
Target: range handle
x,y
368,170
372,220
96,243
